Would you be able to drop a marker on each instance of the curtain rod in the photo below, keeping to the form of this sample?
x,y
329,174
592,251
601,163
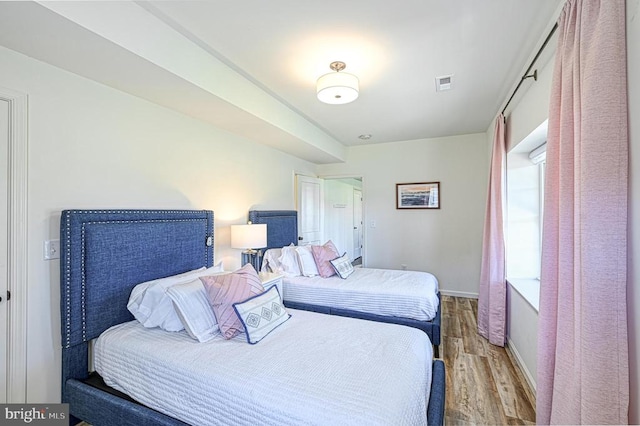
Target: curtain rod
x,y
535,73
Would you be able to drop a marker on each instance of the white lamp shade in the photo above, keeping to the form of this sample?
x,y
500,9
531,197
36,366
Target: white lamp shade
x,y
250,236
338,88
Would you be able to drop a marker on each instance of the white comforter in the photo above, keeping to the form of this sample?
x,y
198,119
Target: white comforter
x,y
406,294
313,369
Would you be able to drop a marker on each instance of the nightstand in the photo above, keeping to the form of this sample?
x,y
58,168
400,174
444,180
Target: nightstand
x,y
270,279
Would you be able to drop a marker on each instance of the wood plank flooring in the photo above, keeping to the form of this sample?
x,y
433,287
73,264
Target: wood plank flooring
x,y
484,386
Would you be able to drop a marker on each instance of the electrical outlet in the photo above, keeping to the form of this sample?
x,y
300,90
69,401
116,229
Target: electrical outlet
x,y
373,223
51,249
403,266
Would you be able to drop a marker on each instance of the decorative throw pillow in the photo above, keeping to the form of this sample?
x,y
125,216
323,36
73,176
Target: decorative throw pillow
x,y
323,255
261,314
343,266
308,266
225,290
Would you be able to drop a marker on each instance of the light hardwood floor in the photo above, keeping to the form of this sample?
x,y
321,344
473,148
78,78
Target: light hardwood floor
x,y
484,386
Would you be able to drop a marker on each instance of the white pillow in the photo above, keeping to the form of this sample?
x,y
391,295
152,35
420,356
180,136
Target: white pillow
x,y
150,304
261,314
141,303
192,306
270,261
289,261
308,266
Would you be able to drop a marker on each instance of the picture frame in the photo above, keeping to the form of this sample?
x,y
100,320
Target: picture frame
x,y
418,195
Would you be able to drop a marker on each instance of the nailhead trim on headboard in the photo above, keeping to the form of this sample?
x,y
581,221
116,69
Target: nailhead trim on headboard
x,y
67,274
67,254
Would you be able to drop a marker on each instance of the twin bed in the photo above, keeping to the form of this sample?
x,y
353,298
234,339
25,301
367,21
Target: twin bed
x,y
408,298
312,369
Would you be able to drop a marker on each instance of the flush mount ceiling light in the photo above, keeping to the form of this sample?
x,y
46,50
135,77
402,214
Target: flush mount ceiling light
x,y
337,87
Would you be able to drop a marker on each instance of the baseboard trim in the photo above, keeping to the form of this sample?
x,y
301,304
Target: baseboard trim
x,y
454,293
525,371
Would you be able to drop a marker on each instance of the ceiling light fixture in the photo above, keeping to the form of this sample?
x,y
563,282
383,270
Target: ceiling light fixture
x,y
337,87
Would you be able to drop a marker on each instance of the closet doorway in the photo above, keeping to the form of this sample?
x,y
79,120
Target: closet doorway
x,y
344,215
331,208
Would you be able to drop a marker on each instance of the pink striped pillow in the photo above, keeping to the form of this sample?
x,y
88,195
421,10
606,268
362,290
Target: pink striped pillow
x,y
323,255
225,290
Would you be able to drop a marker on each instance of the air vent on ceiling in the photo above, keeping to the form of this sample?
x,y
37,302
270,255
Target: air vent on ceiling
x,y
444,83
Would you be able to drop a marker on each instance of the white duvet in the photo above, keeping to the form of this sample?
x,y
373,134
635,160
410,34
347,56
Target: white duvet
x,y
406,294
313,369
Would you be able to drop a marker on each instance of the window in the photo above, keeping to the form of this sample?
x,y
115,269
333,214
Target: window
x,y
524,206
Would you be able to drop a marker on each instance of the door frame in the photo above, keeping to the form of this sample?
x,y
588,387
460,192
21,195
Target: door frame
x,y
17,244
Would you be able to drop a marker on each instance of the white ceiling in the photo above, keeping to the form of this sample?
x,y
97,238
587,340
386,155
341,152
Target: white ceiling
x,y
250,66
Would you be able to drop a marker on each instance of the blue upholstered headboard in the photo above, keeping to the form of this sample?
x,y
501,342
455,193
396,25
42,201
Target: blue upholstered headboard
x,y
282,226
105,253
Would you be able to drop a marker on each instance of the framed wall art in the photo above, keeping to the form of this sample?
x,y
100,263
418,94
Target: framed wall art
x,y
421,195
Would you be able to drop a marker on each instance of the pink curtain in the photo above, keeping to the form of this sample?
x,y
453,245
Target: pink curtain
x,y
582,338
493,288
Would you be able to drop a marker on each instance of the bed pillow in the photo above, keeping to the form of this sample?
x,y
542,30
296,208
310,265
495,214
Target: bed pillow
x,y
323,255
308,266
150,304
271,261
225,290
343,266
192,306
261,314
289,261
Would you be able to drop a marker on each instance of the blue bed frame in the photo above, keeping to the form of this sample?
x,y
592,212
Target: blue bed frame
x,y
282,230
105,253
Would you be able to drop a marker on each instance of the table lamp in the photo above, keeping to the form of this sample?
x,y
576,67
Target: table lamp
x,y
249,237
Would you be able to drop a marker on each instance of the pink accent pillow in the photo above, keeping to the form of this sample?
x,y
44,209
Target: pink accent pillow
x,y
323,255
225,290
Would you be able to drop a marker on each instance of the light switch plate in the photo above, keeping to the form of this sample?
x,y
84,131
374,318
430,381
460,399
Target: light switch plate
x,y
51,249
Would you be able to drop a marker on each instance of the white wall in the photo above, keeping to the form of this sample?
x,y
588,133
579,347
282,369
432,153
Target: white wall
x,y
532,108
522,334
633,286
446,242
91,146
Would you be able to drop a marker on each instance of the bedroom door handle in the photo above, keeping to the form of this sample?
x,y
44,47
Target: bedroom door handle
x,y
300,238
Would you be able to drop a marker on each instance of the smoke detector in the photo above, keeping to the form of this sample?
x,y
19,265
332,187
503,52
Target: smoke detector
x,y
444,82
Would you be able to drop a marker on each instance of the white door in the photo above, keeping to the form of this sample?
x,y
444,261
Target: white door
x,y
309,206
357,223
4,273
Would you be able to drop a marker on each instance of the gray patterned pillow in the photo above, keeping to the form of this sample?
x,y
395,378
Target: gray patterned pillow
x,y
261,314
343,266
